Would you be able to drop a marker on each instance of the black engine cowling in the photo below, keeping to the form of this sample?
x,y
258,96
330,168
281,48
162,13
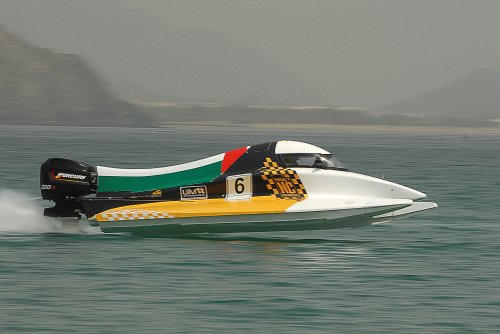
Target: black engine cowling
x,y
63,181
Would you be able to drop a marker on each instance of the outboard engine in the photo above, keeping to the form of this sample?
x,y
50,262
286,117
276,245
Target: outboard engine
x,y
64,181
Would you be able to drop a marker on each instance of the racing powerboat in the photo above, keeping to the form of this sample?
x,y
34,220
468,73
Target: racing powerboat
x,y
276,186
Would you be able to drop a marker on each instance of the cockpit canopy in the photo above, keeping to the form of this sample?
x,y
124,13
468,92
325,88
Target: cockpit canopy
x,y
303,155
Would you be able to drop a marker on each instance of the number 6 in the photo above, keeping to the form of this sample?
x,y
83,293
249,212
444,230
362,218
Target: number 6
x,y
239,186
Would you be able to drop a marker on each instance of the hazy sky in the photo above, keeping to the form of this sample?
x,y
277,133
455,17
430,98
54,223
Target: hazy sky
x,y
358,53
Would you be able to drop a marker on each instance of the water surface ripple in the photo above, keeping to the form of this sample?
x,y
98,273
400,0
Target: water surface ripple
x,y
433,273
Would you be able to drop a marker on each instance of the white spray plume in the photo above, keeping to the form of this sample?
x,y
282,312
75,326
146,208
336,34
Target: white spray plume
x,y
21,214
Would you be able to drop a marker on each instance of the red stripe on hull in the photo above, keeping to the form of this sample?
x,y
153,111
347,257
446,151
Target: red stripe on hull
x,y
231,156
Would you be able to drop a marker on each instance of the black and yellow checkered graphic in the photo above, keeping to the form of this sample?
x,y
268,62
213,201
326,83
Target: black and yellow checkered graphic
x,y
282,182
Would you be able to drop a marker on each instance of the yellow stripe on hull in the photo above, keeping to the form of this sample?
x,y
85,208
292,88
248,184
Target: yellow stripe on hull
x,y
197,208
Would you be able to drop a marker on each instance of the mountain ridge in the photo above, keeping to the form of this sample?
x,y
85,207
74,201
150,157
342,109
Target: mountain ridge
x,y
40,86
475,96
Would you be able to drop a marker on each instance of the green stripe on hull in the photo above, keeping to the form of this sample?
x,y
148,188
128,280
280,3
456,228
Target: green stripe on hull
x,y
143,183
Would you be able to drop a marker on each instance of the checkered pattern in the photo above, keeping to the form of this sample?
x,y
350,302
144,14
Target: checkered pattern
x,y
283,182
133,214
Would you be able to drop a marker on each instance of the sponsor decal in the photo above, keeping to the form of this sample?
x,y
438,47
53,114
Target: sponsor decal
x,y
69,176
194,192
156,193
47,187
284,183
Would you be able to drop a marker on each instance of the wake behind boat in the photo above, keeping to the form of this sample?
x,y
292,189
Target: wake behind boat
x,y
276,186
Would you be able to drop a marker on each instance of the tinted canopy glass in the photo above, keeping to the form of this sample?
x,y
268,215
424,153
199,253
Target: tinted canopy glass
x,y
310,160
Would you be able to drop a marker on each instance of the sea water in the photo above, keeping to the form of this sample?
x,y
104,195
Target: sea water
x,y
437,272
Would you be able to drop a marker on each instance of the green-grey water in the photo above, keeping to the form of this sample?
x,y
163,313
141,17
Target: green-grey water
x,y
438,272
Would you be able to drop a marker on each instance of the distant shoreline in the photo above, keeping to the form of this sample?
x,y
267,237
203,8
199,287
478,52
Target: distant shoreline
x,y
346,128
226,126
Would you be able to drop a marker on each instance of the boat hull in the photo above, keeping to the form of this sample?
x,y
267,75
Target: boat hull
x,y
294,221
275,186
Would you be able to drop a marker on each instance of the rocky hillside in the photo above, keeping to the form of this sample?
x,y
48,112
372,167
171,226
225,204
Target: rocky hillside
x,y
39,86
471,100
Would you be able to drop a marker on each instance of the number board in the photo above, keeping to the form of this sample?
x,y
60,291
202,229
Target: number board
x,y
239,186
